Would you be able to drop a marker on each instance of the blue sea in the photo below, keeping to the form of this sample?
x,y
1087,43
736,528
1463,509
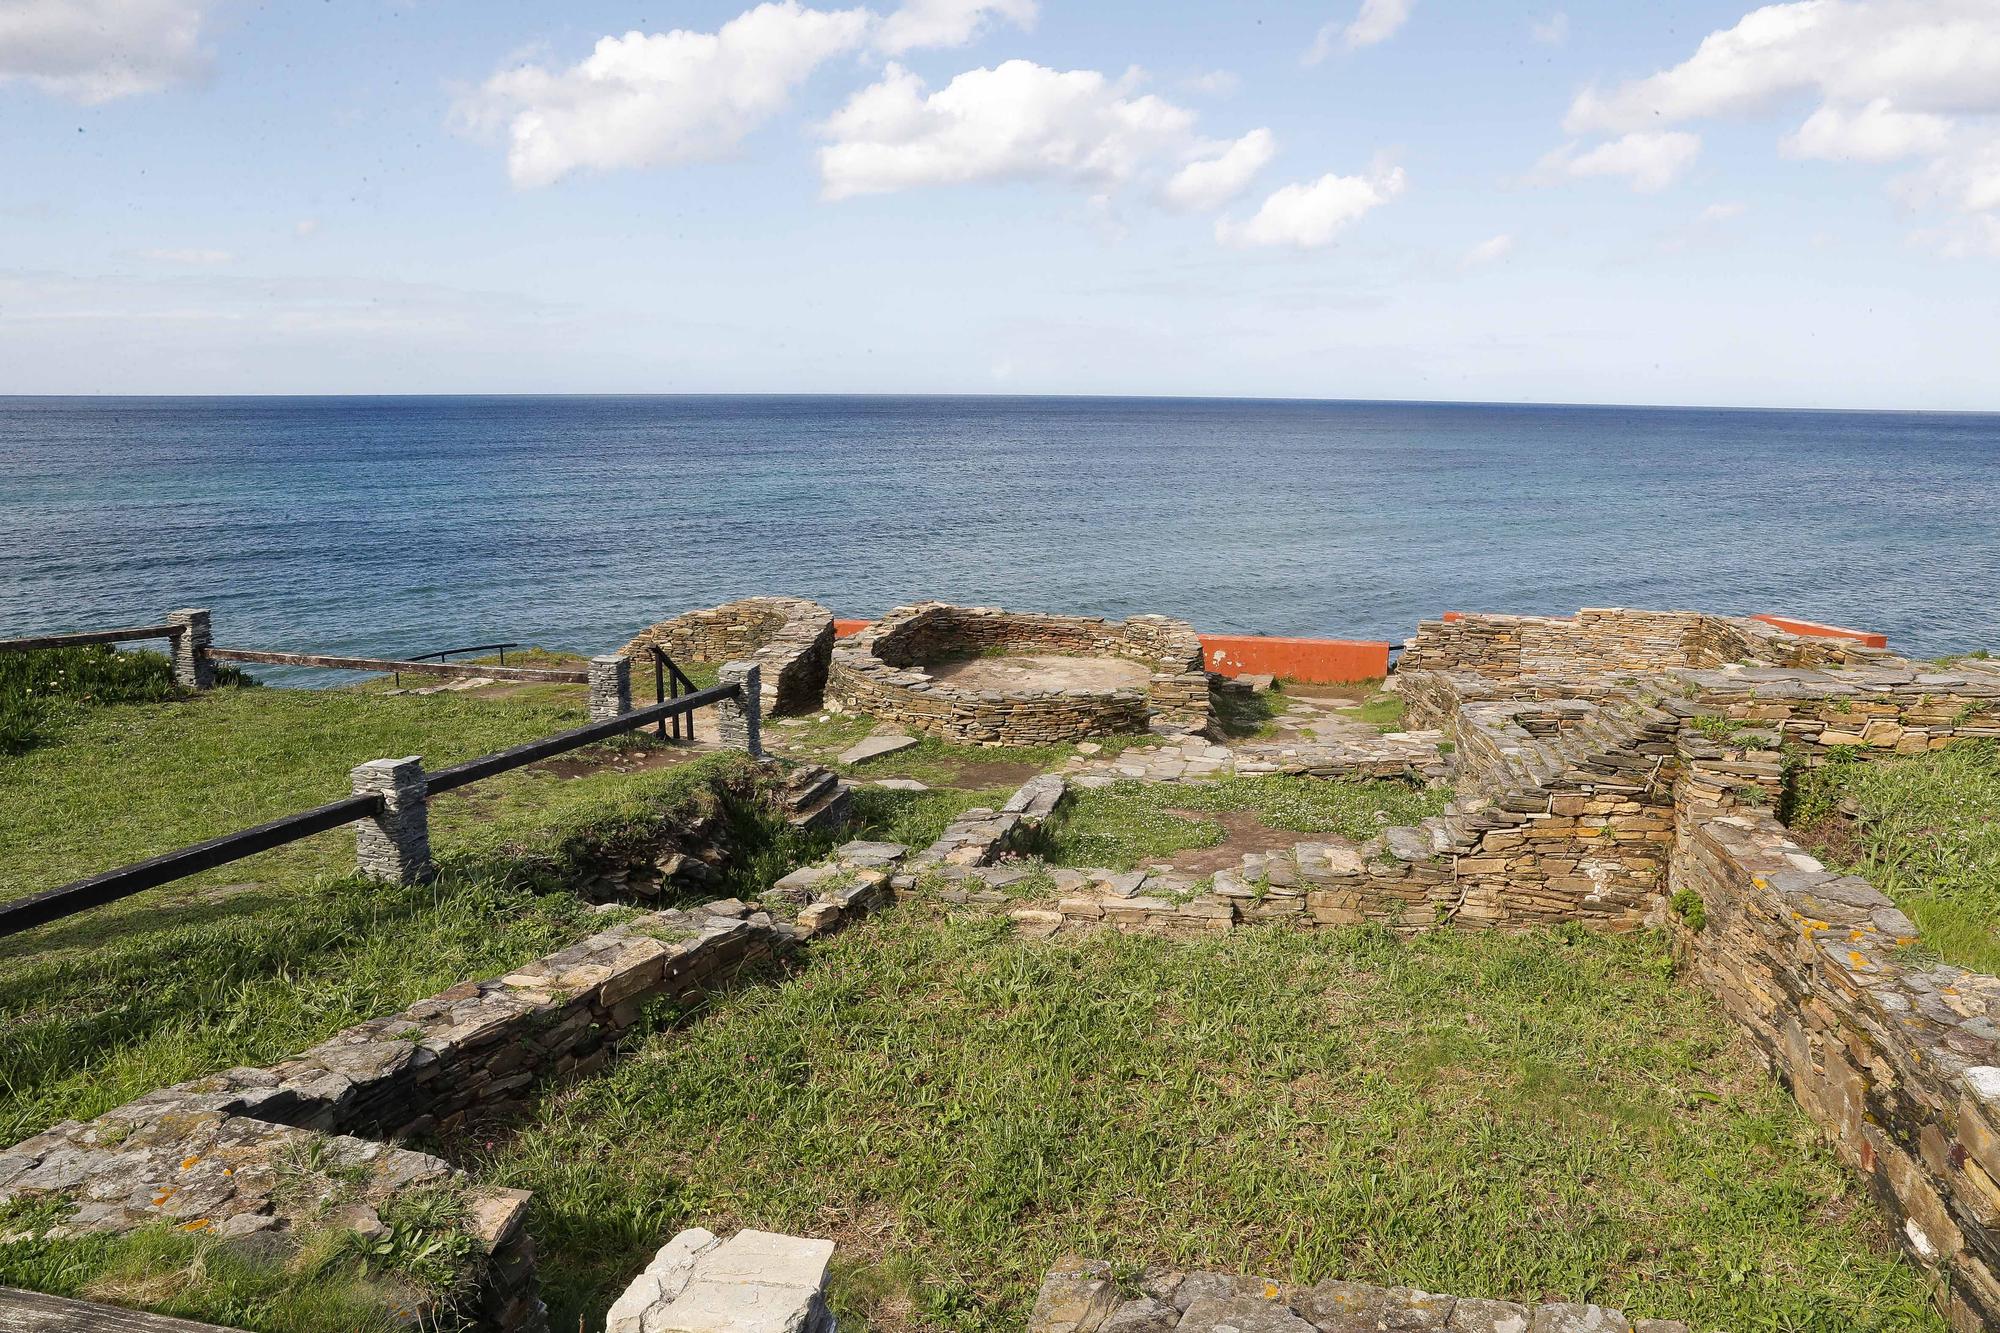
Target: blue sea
x,y
389,526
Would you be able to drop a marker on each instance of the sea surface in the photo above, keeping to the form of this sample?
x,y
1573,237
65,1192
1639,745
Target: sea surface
x,y
389,526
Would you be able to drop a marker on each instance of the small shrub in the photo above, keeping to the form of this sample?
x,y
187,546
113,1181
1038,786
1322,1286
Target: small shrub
x,y
1688,907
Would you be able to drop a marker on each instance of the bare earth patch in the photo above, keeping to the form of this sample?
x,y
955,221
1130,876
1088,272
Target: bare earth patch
x,y
1242,831
1013,674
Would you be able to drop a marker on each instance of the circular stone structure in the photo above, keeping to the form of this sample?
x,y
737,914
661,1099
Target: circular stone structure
x,y
789,637
990,677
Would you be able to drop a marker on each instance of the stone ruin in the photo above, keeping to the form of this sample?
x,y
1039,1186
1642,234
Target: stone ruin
x,y
911,667
1083,1296
1604,766
789,638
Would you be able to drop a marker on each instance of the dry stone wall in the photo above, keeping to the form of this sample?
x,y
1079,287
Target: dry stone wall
x,y
1899,1064
789,638
1599,640
881,671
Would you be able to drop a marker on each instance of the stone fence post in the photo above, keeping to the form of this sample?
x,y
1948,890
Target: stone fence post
x,y
193,670
394,845
739,721
610,687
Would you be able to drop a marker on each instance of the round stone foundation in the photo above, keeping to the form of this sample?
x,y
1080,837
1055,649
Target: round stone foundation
x,y
789,637
991,677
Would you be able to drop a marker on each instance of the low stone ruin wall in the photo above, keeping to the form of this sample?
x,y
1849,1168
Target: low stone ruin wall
x,y
790,638
1898,1064
1598,640
210,1155
1886,708
881,671
1087,1296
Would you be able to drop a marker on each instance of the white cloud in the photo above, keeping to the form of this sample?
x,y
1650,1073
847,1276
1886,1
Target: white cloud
x,y
1377,21
1924,55
1895,80
1211,182
1551,31
195,257
1651,162
1722,212
1215,83
1312,214
1489,251
305,227
1875,133
1019,121
947,22
96,50
653,99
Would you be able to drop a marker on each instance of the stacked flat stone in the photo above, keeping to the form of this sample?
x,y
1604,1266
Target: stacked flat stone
x,y
187,1160
1898,1064
1081,1296
790,639
881,671
1597,640
202,1153
1888,706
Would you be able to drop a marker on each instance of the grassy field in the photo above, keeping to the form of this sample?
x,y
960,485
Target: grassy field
x,y
255,960
1526,1116
1926,831
1127,823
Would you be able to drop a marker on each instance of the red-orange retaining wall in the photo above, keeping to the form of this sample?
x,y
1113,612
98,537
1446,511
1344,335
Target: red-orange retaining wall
x,y
843,628
1813,629
1312,661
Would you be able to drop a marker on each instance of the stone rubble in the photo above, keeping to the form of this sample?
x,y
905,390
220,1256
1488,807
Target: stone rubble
x,y
1081,1296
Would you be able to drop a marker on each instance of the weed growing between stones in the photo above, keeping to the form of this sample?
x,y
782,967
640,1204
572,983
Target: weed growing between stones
x,y
1926,831
332,1283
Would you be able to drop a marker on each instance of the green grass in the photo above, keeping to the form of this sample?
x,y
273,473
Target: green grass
x,y
1127,823
915,819
1484,1114
1383,710
1927,833
1246,716
251,962
939,763
165,1271
42,692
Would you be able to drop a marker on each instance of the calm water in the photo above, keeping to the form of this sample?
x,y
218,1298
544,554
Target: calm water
x,y
396,525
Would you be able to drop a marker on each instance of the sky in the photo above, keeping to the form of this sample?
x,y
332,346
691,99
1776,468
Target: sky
x,y
1793,205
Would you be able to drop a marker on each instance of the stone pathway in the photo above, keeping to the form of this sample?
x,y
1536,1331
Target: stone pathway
x,y
1409,755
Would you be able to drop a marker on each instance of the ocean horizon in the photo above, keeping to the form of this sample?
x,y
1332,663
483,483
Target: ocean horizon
x,y
398,524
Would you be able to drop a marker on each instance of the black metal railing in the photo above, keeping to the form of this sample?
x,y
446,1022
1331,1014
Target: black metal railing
x,y
443,653
669,681
53,904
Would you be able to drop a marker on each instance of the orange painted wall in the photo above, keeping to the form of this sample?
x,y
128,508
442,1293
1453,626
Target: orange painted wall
x,y
1813,629
1313,661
